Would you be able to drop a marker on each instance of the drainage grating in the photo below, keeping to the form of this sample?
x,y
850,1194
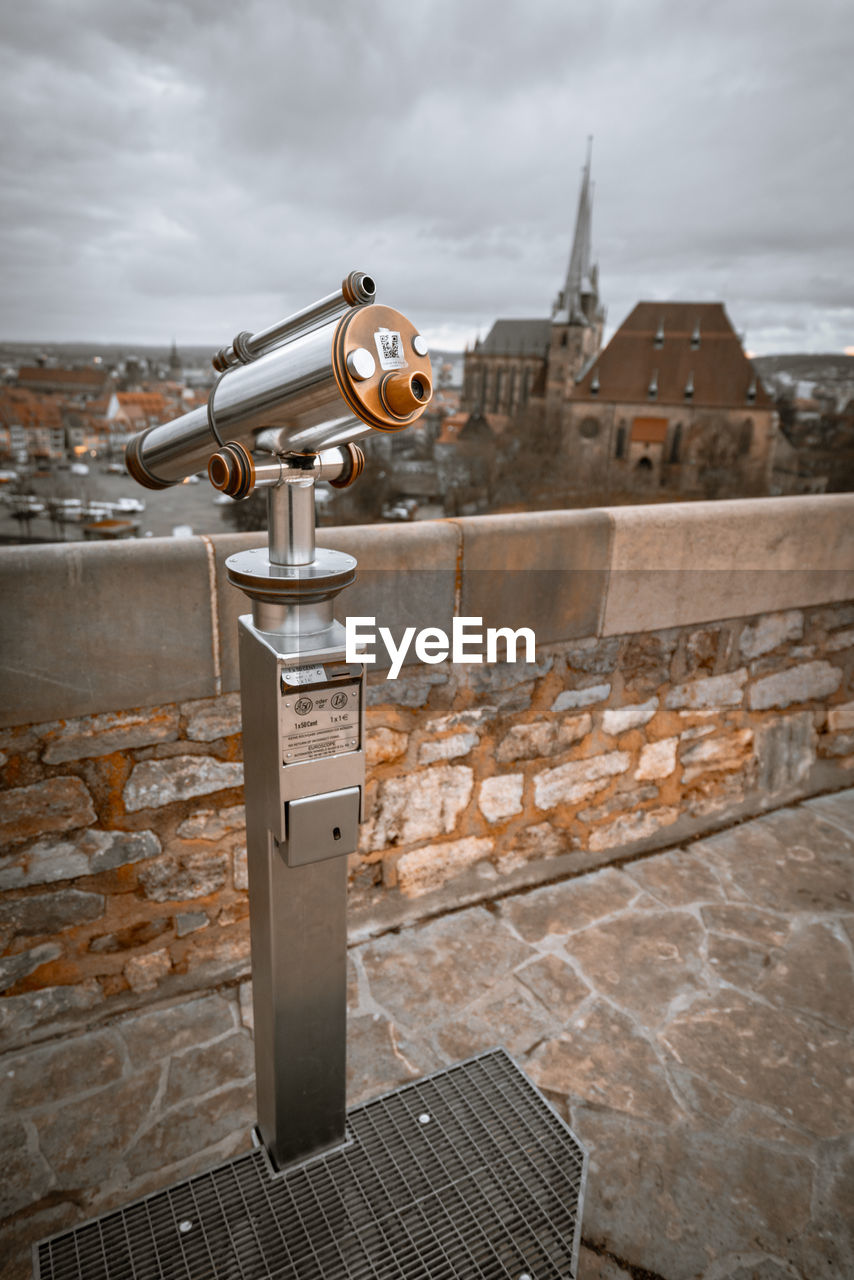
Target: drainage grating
x,y
465,1174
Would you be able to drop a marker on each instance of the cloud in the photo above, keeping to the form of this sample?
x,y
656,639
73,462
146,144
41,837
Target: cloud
x,y
189,167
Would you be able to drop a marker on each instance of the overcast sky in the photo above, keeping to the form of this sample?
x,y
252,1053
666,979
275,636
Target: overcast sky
x,y
189,168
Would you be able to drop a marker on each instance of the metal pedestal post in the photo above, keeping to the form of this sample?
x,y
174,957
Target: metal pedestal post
x,y
303,717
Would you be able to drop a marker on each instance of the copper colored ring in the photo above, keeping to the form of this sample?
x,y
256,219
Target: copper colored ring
x,y
355,469
135,467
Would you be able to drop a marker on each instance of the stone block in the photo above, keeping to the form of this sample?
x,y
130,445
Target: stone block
x,y
48,913
617,720
723,754
14,968
709,692
443,965
240,872
804,683
209,1067
554,983
383,745
526,741
836,744
507,1016
561,909
153,1036
54,1007
146,648
184,871
213,824
146,971
544,570
131,936
501,796
770,632
569,783
418,806
569,699
657,759
502,677
593,656
211,718
101,735
154,783
632,827
52,1074
676,878
85,1153
605,1060
529,845
717,1038
422,870
785,750
542,737
26,1176
660,958
840,716
189,922
82,854
840,641
678,564
458,744
645,661
60,804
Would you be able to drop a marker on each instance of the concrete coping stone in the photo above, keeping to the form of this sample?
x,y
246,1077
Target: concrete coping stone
x,y
89,627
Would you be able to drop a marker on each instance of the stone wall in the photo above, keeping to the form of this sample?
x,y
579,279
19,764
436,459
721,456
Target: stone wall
x,y
671,693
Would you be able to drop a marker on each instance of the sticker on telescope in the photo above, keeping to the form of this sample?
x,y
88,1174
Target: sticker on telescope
x,y
390,349
303,675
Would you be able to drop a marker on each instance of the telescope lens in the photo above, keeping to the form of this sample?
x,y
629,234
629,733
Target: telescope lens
x,y
417,388
368,285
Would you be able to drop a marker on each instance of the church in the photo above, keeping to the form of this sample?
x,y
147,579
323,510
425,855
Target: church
x,y
671,408
521,360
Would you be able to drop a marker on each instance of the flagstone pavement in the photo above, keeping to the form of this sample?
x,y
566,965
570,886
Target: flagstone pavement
x,y
690,1014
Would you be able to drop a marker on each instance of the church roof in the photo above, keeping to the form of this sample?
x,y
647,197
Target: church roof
x,y
674,346
517,338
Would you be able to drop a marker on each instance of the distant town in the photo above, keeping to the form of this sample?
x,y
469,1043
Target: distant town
x,y
538,414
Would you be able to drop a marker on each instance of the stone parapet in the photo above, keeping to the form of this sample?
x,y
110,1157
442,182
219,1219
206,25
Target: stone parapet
x,y
123,868
89,628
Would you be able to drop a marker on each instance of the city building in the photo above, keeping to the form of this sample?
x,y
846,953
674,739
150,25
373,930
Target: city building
x,y
672,403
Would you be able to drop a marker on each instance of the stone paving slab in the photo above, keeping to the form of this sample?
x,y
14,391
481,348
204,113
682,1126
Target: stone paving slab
x,y
691,1014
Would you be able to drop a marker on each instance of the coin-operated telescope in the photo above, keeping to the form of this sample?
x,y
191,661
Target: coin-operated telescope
x,y
286,411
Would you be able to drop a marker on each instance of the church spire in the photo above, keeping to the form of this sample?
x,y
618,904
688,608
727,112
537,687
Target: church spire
x,y
578,300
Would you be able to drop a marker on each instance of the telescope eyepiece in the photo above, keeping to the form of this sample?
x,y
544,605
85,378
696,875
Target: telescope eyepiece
x,y
405,392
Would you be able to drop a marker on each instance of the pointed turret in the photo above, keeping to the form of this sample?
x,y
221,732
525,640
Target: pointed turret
x,y
578,301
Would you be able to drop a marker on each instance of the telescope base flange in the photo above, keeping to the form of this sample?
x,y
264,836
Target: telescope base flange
x,y
468,1172
292,584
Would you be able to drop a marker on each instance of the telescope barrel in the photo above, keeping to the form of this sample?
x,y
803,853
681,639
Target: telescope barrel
x,y
357,289
364,371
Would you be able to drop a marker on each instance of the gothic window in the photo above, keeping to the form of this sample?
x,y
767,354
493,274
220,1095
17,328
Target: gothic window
x,y
745,437
620,450
589,429
499,387
511,390
484,381
526,386
676,444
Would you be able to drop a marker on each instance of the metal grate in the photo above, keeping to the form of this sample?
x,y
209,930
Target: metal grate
x,y
465,1174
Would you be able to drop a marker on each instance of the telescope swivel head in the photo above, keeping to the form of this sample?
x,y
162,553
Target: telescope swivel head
x,y
329,375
